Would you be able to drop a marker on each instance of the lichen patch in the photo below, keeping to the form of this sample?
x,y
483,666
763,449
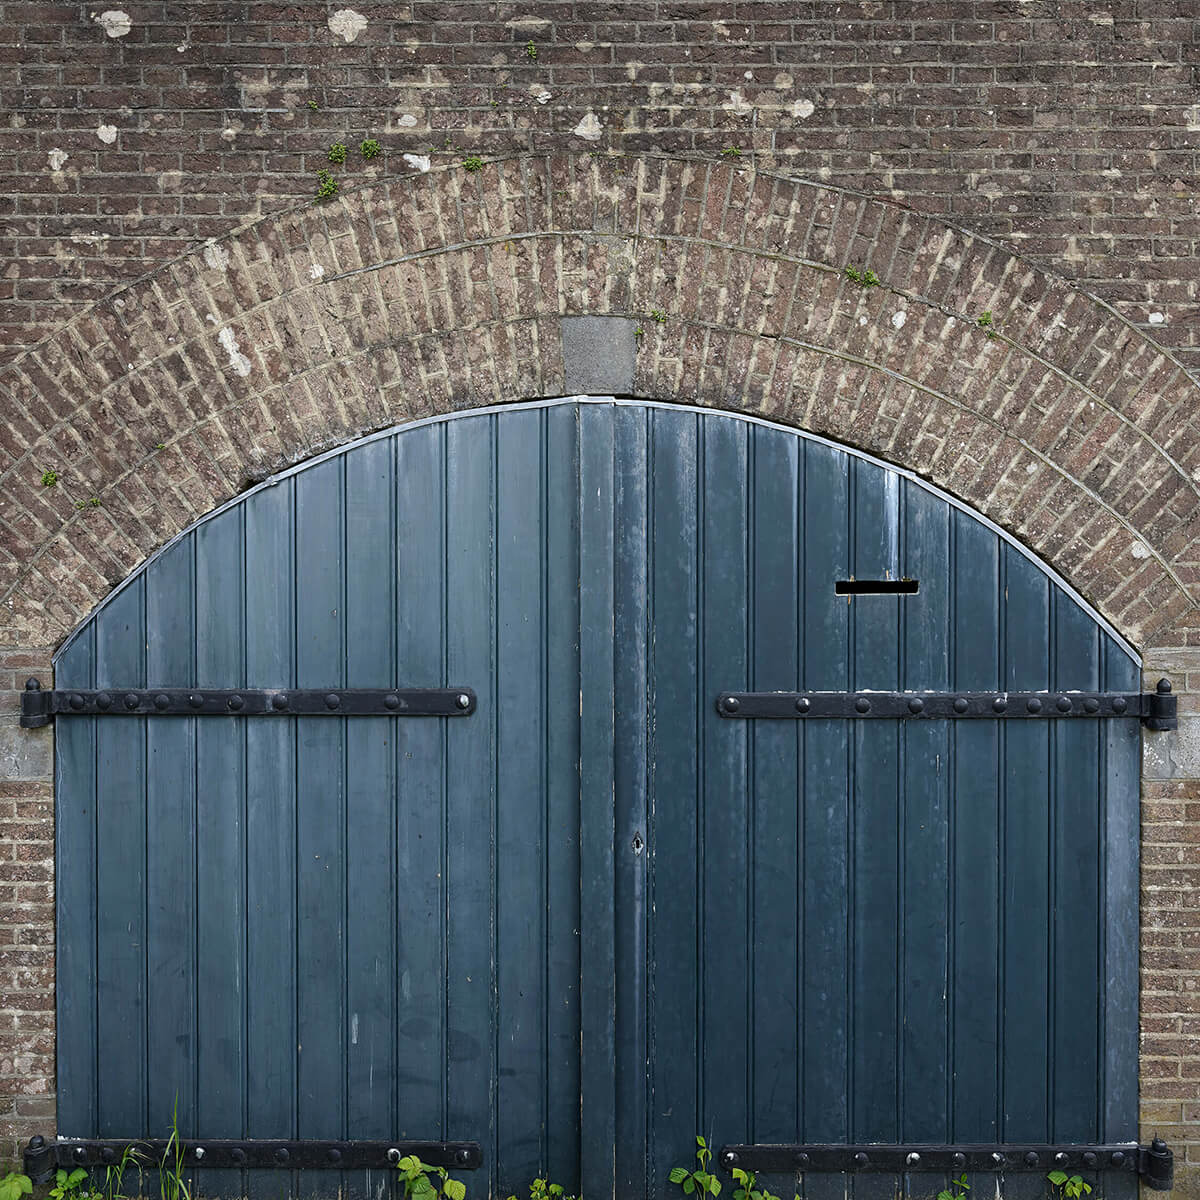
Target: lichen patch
x,y
107,134
114,21
238,362
347,24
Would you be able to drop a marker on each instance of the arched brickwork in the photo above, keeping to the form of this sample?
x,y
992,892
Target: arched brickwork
x,y
435,292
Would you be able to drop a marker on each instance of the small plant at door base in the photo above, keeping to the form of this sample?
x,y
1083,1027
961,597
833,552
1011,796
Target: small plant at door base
x,y
114,1175
171,1183
700,1182
70,1185
423,1181
746,1187
1068,1187
957,1190
543,1189
14,1186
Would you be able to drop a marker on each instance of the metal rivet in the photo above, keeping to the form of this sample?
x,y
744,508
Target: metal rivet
x,y
334,1156
104,701
997,1159
1031,1159
960,705
730,704
803,704
802,1160
33,684
332,700
108,1154
1061,1159
1063,704
196,701
860,1159
960,1159
279,702
81,1154
916,705
131,700
76,701
729,1158
393,1155
1034,705
1091,704
1120,704
162,702
236,703
1118,1158
1089,1158
199,1151
862,705
281,1155
1163,687
464,701
999,704
238,1154
462,1157
913,1159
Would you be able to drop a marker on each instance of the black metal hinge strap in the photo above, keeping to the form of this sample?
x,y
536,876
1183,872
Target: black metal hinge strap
x,y
1154,1163
1157,709
43,1157
39,707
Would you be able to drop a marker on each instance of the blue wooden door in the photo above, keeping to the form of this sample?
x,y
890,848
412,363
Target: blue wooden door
x,y
594,918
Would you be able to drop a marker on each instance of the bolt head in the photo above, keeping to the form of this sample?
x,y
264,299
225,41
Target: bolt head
x,y
462,700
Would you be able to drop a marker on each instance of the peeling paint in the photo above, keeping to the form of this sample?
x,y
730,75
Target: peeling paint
x,y
107,134
418,162
239,363
56,158
589,128
114,22
216,257
347,24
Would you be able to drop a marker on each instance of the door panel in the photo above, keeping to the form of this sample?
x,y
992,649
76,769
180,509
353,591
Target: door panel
x,y
595,918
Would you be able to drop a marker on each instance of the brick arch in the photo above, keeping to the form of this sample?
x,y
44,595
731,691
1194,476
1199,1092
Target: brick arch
x,y
436,292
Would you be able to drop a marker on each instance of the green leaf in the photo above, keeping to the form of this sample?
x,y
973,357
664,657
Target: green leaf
x,y
701,1142
1058,1178
455,1189
689,1186
714,1185
678,1174
739,1175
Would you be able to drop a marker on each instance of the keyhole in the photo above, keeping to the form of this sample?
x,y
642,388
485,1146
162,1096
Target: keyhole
x,y
638,844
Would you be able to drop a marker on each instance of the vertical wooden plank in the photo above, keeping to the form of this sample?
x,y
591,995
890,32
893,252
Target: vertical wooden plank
x,y
722,504
774,972
522,689
220,843
875,1033
370,792
826,833
471,792
562,816
1028,916
271,967
121,872
673,842
923,1077
321,1032
974,838
596,703
417,827
1077,928
630,600
170,861
75,793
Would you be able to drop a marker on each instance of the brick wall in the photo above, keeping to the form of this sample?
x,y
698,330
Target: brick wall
x,y
1066,128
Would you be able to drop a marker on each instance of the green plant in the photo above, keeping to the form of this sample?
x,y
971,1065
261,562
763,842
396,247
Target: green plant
x,y
864,279
659,315
957,1190
114,1175
313,105
473,163
731,152
531,51
1072,1187
639,332
368,147
14,1186
337,152
171,1183
700,1181
69,1185
421,1180
543,1189
984,321
49,478
747,1187
326,186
